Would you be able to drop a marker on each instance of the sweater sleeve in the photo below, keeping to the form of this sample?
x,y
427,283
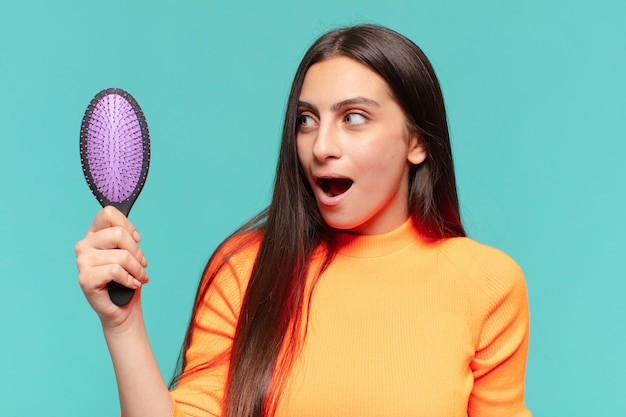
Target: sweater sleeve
x,y
201,389
499,361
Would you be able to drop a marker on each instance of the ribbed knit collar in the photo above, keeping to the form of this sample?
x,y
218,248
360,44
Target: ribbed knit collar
x,y
370,246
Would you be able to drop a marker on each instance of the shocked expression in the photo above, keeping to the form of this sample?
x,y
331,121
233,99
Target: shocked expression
x,y
354,146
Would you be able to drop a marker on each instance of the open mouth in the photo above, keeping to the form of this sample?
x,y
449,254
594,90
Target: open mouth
x,y
333,187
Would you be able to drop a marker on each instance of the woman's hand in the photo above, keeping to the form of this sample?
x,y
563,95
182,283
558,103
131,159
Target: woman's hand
x,y
110,252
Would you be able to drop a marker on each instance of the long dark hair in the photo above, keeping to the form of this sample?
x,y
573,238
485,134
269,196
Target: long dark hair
x,y
291,228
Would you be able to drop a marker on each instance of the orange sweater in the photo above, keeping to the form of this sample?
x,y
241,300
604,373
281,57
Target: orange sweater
x,y
398,327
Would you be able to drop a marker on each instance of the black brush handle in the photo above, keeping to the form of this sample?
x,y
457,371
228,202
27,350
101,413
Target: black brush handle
x,y
119,294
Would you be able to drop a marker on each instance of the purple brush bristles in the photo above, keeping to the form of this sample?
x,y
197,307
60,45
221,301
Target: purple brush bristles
x,y
114,148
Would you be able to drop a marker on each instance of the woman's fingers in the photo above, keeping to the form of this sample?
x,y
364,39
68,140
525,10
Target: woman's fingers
x,y
95,279
113,237
120,264
109,252
109,216
123,259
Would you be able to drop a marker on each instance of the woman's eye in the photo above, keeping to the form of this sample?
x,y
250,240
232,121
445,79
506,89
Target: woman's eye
x,y
355,118
305,121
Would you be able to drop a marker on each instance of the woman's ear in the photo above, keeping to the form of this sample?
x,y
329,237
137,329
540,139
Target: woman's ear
x,y
417,150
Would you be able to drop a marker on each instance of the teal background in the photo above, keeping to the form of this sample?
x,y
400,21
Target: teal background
x,y
536,95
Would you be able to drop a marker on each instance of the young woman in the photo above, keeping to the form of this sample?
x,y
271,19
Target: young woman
x,y
356,293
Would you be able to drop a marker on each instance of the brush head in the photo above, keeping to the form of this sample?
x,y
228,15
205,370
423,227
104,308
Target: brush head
x,y
115,148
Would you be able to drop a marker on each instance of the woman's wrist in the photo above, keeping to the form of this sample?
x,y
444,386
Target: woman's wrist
x,y
130,325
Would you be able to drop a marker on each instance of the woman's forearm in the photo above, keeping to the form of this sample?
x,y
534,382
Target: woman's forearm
x,y
142,391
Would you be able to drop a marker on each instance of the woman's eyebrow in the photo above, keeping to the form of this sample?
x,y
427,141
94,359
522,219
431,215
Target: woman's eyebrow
x,y
307,106
352,101
343,103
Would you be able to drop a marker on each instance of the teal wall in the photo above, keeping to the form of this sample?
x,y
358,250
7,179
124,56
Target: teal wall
x,y
536,92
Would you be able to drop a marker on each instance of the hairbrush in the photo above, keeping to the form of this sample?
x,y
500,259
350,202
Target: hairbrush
x,y
115,155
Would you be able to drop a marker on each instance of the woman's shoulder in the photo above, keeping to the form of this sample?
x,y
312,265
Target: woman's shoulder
x,y
468,250
489,266
237,252
242,242
239,247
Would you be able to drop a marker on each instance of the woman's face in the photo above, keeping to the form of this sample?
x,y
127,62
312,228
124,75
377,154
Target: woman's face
x,y
354,147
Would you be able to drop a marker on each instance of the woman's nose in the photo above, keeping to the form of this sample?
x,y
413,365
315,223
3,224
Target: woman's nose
x,y
326,143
